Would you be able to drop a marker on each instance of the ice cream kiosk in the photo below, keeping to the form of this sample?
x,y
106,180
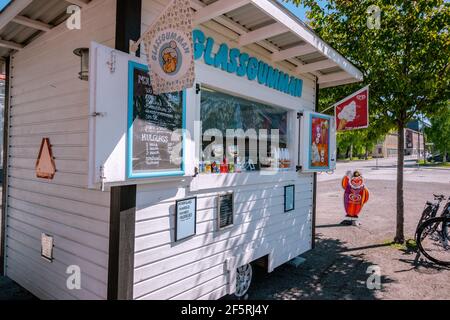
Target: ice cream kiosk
x,y
161,196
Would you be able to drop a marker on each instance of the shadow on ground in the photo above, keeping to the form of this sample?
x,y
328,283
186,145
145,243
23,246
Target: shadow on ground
x,y
331,271
9,290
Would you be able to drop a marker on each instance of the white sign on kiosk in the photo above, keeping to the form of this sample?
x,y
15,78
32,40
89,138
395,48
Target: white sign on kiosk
x,y
185,218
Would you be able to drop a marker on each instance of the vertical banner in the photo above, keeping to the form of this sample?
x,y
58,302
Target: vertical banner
x,y
353,112
168,45
320,142
317,142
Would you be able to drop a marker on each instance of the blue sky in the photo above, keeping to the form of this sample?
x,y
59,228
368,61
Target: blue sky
x,y
3,3
299,11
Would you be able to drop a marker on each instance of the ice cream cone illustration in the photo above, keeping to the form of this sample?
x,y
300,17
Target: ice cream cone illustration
x,y
342,124
347,114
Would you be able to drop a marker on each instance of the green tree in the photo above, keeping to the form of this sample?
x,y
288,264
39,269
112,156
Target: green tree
x,y
439,132
406,60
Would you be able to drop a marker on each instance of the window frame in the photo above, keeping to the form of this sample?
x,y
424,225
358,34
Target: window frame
x,y
291,126
132,65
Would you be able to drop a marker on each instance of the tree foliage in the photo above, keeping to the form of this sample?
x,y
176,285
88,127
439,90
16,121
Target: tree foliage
x,y
439,132
406,61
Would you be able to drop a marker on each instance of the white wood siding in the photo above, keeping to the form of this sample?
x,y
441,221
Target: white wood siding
x,y
197,268
48,100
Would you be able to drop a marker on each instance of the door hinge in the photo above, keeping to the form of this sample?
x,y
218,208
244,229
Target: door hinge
x,y
299,115
197,88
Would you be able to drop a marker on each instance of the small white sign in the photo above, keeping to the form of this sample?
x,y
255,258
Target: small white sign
x,y
47,247
185,218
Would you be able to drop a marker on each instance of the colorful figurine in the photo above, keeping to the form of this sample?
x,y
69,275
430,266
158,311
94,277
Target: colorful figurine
x,y
355,196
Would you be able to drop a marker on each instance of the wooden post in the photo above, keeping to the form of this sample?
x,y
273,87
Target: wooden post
x,y
123,198
121,243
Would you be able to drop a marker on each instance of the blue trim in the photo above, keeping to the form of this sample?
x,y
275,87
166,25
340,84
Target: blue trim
x,y
130,175
316,115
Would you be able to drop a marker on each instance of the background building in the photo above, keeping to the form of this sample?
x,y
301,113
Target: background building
x,y
414,144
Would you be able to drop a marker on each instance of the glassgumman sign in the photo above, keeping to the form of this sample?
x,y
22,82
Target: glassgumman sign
x,y
242,64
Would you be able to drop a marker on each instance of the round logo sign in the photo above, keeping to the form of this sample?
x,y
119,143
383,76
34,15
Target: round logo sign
x,y
171,54
354,197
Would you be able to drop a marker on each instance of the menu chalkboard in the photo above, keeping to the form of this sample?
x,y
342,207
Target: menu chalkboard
x,y
156,123
225,210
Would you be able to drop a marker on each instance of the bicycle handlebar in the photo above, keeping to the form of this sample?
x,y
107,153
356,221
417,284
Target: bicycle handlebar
x,y
438,196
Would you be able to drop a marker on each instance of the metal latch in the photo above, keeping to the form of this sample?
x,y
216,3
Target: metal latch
x,y
102,178
98,114
112,62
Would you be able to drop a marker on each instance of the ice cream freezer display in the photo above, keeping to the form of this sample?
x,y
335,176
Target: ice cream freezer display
x,y
115,192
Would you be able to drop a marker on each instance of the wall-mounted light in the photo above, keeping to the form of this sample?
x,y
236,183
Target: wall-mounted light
x,y
83,53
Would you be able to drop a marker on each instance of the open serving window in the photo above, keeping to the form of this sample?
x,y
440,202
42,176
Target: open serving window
x,y
241,135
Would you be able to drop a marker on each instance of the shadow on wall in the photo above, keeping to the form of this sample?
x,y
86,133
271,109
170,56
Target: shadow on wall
x,y
328,274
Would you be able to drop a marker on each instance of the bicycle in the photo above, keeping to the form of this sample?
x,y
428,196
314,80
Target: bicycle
x,y
433,234
430,211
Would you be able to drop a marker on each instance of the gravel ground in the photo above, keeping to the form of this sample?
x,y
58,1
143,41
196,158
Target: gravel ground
x,y
337,268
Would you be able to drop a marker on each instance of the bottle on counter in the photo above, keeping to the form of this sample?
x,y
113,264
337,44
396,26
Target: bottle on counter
x,y
208,167
224,166
238,166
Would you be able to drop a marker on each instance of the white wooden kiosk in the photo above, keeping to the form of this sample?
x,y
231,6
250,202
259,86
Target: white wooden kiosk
x,y
136,230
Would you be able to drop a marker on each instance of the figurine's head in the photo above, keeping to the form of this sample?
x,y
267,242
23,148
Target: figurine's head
x,y
357,180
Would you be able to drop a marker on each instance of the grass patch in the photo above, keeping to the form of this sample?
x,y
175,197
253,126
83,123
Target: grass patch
x,y
409,244
434,164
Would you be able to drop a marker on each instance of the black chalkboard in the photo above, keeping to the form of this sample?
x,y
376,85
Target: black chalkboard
x,y
225,210
154,119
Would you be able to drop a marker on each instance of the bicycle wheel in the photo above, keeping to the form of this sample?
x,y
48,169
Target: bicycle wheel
x,y
433,240
427,213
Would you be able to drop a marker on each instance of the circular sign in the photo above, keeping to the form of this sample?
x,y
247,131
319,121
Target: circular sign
x,y
171,54
354,197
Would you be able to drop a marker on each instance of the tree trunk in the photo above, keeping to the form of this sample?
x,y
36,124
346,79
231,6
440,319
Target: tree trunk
x,y
399,235
444,157
351,152
366,156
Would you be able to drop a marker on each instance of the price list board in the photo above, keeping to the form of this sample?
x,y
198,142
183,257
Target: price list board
x,y
155,128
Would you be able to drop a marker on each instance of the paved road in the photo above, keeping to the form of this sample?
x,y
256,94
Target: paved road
x,y
386,169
